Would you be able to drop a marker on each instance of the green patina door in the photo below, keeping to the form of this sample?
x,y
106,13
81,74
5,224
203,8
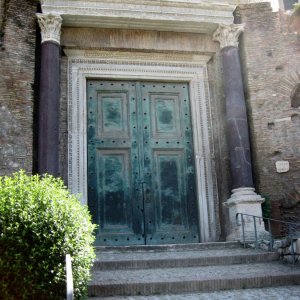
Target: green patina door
x,y
141,175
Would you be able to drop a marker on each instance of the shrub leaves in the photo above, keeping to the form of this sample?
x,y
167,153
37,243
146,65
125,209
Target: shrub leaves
x,y
41,222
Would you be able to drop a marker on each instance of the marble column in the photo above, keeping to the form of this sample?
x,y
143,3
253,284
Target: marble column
x,y
48,146
243,198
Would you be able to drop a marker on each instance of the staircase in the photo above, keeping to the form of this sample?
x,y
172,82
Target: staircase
x,y
189,268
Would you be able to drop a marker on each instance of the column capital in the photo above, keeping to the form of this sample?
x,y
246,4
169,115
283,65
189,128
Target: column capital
x,y
50,27
228,35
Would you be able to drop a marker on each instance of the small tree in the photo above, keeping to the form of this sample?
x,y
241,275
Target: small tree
x,y
295,18
41,222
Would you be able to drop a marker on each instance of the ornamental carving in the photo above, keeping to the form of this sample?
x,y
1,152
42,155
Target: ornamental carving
x,y
50,27
228,35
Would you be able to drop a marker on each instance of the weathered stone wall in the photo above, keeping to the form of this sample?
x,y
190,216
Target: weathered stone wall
x,y
270,51
17,65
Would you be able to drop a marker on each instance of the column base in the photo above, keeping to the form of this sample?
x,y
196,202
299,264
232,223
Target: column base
x,y
246,201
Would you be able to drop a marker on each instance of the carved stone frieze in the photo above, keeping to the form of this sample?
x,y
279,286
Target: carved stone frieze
x,y
50,27
228,35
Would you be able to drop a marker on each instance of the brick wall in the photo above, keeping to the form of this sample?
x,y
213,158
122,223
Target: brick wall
x,y
270,51
17,68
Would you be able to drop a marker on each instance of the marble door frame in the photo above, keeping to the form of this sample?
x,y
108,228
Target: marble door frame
x,y
190,68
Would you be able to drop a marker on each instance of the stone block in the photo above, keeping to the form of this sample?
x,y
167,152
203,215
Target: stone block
x,y
245,201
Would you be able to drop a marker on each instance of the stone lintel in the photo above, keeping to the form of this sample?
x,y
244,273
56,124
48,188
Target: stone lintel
x,y
166,15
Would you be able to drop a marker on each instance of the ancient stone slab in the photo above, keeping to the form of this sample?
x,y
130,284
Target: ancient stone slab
x,y
282,166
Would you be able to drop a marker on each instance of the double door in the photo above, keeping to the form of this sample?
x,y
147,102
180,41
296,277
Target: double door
x,y
141,175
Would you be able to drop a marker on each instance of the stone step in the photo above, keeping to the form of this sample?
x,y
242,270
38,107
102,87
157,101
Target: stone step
x,y
175,259
168,247
290,292
191,279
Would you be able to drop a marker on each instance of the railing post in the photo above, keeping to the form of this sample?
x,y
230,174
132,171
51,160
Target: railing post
x,y
69,275
270,235
293,251
261,219
243,229
255,232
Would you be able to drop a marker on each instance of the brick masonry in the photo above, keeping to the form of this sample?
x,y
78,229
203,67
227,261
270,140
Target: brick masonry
x,y
270,51
17,64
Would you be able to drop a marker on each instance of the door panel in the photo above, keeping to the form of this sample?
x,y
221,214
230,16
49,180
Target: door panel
x,y
140,163
114,196
114,188
113,115
169,191
165,115
169,175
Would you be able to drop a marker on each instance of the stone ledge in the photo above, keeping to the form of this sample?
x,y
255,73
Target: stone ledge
x,y
168,15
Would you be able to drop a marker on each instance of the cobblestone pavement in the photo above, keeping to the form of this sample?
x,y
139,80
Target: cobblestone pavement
x,y
274,293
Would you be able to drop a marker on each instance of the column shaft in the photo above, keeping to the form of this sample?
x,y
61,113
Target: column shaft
x,y
49,110
236,115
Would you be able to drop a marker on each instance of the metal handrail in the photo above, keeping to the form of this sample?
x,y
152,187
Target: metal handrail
x,y
270,230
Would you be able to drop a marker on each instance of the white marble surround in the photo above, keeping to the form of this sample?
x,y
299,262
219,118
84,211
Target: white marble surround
x,y
84,64
201,16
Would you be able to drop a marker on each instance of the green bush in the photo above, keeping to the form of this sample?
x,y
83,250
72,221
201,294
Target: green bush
x,y
296,9
41,222
266,206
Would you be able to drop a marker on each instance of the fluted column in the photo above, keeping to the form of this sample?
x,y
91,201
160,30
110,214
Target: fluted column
x,y
243,198
48,161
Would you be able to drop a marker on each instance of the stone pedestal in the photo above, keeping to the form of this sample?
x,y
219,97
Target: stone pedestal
x,y
243,198
246,201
